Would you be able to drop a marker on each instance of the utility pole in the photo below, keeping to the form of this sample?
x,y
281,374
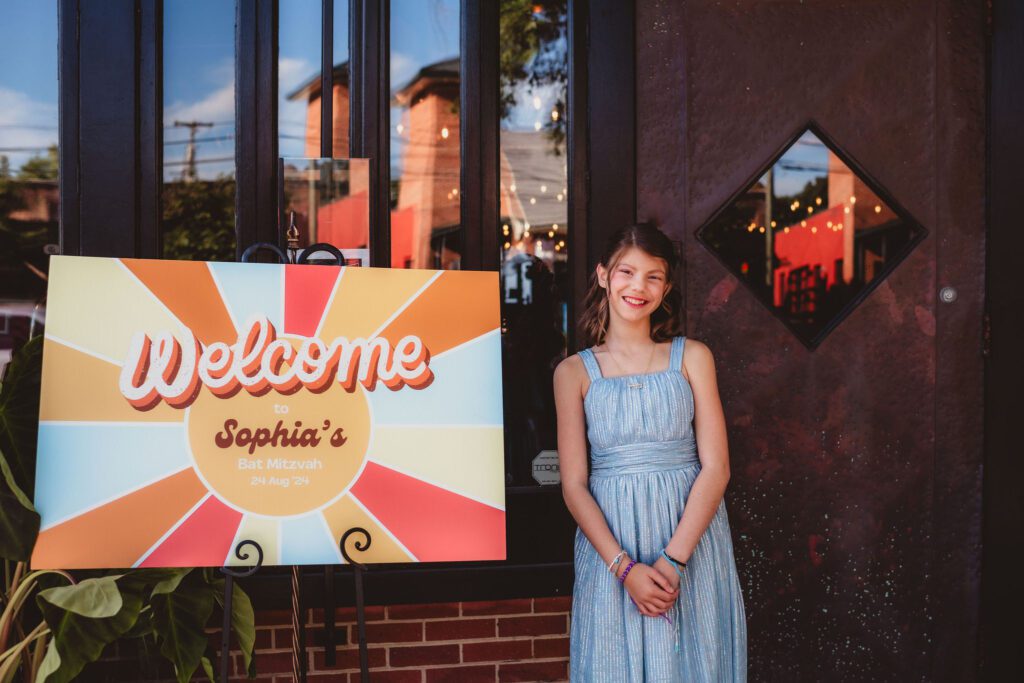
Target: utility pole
x,y
188,173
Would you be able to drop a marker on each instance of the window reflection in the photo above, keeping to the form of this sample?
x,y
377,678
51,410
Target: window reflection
x,y
810,236
199,130
299,86
533,235
29,204
426,230
329,201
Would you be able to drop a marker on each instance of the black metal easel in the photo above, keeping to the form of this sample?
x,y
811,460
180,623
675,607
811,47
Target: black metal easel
x,y
229,585
294,255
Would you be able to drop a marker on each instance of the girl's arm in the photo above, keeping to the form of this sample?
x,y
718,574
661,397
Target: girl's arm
x,y
649,589
713,450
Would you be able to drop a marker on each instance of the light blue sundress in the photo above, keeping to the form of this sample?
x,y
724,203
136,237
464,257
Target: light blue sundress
x,y
643,464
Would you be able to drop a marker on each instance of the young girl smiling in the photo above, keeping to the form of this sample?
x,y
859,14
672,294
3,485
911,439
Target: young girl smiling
x,y
656,597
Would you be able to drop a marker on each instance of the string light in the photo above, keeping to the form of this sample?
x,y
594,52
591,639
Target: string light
x,y
559,196
817,200
554,114
444,132
400,128
814,229
878,209
513,188
853,200
554,226
773,224
537,125
543,188
533,200
846,209
786,230
536,102
551,233
761,229
803,224
508,244
455,191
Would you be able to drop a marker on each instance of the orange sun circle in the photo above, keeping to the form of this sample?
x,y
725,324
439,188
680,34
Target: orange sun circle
x,y
279,455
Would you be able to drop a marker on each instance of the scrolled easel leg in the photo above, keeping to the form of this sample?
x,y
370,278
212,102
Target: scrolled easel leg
x,y
358,568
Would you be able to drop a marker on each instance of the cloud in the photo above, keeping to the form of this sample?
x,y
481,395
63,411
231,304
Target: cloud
x,y
218,106
403,68
25,122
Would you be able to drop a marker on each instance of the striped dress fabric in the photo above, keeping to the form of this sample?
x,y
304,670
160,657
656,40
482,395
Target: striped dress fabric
x,y
643,464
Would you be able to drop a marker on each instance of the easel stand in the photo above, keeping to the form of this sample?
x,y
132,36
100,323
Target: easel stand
x,y
294,255
229,586
357,569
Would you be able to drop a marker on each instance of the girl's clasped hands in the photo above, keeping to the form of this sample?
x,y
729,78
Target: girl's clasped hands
x,y
653,589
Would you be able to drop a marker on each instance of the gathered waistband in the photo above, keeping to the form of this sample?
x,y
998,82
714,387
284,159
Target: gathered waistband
x,y
638,458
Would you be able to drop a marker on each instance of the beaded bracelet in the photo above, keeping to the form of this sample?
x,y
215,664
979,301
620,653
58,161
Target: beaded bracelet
x,y
614,564
622,579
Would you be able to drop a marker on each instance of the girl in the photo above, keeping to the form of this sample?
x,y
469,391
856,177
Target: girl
x,y
657,597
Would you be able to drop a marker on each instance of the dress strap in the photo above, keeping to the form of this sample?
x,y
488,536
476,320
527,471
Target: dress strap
x,y
590,363
675,359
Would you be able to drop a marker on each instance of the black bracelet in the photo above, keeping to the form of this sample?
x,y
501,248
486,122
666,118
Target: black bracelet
x,y
673,560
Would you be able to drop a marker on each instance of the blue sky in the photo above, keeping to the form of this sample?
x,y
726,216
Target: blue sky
x,y
28,77
199,70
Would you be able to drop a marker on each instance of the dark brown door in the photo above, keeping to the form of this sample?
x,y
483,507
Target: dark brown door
x,y
856,456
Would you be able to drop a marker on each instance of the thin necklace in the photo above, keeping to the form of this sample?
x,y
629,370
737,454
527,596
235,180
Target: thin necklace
x,y
634,384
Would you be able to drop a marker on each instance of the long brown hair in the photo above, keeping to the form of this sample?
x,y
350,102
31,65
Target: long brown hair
x,y
665,322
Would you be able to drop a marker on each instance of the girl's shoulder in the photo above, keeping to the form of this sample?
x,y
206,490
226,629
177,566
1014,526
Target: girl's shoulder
x,y
571,366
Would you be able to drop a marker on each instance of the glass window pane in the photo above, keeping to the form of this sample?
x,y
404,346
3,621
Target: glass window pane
x,y
533,235
28,166
298,74
426,230
810,237
199,130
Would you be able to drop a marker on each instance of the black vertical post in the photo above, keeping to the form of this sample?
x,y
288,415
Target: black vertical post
x,y
68,67
1002,597
151,136
611,92
370,114
327,78
256,122
578,162
479,121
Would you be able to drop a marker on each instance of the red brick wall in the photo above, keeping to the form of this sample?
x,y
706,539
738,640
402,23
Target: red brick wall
x,y
509,640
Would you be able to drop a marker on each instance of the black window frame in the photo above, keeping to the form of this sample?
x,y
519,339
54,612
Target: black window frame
x,y
120,46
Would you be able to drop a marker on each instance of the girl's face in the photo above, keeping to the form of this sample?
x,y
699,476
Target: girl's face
x,y
636,284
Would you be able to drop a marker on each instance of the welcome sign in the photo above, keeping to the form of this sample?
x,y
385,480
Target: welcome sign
x,y
188,406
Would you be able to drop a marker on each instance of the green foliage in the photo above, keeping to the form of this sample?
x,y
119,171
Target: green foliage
x,y
19,415
199,220
534,51
41,167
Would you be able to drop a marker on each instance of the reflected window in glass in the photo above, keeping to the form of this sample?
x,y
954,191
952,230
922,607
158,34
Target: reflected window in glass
x,y
811,237
328,201
29,195
299,79
425,164
198,199
533,231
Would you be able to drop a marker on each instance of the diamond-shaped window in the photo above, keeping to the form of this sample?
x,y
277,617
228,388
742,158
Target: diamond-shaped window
x,y
811,236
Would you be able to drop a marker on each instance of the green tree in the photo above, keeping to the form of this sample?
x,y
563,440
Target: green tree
x,y
41,167
534,52
199,220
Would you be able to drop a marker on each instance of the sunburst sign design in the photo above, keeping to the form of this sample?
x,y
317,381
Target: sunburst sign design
x,y
187,406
